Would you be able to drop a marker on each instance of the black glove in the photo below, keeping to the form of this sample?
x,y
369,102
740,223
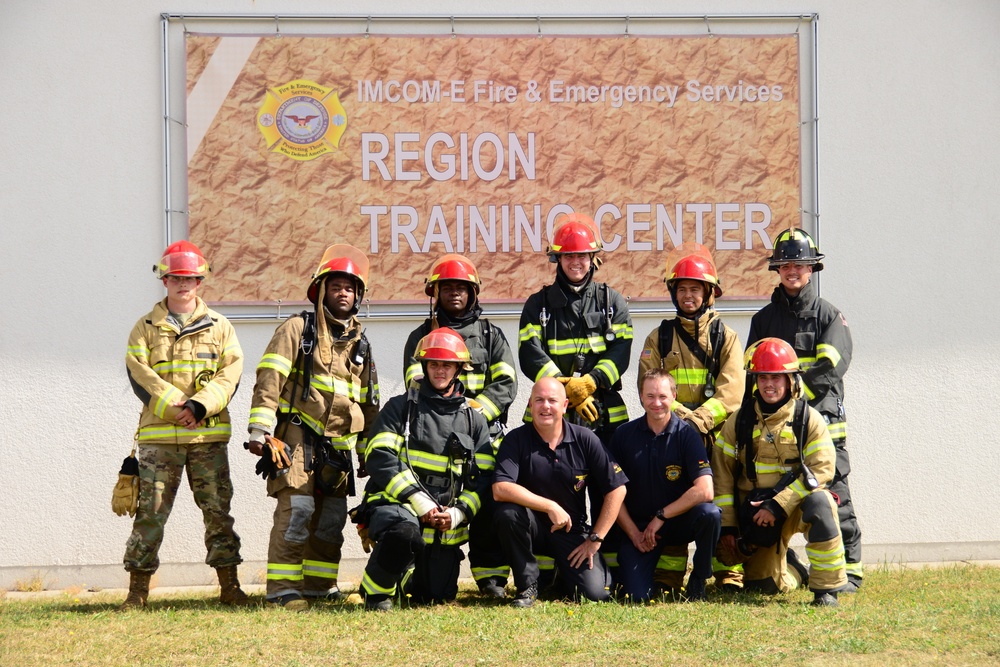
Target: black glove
x,y
266,467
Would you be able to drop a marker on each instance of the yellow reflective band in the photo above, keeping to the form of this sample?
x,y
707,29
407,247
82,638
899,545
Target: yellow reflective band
x,y
263,416
453,537
428,461
724,501
480,573
623,330
672,563
399,483
837,430
566,346
320,569
148,433
490,409
412,372
372,588
345,443
138,351
855,569
549,369
827,351
472,501
474,382
821,445
770,468
727,449
484,461
619,413
276,362
502,368
717,410
181,366
608,367
799,488
232,347
289,571
809,392
214,389
695,376
610,558
170,396
826,560
334,385
529,331
545,562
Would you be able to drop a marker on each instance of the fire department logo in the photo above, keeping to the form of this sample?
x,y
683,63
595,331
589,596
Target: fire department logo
x,y
673,473
581,481
302,120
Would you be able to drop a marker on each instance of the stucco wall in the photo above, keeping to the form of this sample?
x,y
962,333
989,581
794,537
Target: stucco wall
x,y
910,161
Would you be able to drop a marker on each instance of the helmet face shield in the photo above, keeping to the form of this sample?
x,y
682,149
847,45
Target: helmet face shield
x,y
182,258
341,258
444,344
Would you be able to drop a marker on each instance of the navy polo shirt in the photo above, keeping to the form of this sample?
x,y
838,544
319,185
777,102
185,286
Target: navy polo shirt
x,y
562,475
660,467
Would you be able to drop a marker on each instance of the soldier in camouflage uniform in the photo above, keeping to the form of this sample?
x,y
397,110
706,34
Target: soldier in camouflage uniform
x,y
184,363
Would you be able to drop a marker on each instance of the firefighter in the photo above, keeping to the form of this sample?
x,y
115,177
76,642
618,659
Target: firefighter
x,y
706,359
429,458
579,331
818,332
772,463
184,363
315,399
453,286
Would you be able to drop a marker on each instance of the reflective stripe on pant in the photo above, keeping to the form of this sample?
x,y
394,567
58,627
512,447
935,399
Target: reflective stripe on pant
x,y
160,470
486,558
305,545
849,529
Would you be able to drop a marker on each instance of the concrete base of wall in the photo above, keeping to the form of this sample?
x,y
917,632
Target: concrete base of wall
x,y
98,577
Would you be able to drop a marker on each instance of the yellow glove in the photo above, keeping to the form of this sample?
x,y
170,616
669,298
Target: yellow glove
x,y
125,496
588,410
579,389
366,542
279,452
475,405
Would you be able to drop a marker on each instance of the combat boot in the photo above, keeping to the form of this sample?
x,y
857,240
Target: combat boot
x,y
138,591
231,594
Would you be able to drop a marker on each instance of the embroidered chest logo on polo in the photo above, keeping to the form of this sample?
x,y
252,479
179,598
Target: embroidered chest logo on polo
x,y
581,481
673,473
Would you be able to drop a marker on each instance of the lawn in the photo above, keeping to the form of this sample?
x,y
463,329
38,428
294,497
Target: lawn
x,y
944,616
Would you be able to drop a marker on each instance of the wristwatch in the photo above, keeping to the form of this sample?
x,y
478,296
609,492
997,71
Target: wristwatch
x,y
659,515
594,537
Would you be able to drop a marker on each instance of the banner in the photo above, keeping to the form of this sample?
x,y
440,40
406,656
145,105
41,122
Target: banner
x,y
413,147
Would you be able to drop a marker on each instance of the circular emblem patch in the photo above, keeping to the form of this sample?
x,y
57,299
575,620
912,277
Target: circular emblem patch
x,y
673,473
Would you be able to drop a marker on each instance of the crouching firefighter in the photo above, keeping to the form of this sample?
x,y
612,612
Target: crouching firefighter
x,y
426,455
315,398
772,463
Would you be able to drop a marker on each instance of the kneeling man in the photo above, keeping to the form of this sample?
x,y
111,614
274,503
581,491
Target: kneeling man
x,y
543,469
670,492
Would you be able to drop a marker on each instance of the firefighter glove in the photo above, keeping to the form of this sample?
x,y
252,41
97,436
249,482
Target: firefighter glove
x,y
366,542
475,405
588,410
579,389
278,452
125,496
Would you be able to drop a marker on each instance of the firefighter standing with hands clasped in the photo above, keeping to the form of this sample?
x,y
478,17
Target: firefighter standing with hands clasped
x,y
316,397
184,363
490,387
706,359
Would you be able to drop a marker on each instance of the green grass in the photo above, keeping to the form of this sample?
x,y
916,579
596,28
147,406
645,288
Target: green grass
x,y
947,616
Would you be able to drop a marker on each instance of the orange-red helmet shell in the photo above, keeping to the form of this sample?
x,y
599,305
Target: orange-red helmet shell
x,y
452,267
694,267
575,233
771,355
341,258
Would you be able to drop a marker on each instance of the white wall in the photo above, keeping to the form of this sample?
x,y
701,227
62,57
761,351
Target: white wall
x,y
910,162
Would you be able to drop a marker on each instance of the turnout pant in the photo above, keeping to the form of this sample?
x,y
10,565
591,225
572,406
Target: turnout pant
x,y
524,532
849,528
486,557
816,518
307,533
701,525
160,470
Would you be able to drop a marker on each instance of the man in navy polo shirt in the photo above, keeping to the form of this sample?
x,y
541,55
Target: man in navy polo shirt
x,y
543,470
670,492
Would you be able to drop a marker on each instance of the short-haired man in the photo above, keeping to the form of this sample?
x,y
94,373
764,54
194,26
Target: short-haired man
x,y
670,492
542,472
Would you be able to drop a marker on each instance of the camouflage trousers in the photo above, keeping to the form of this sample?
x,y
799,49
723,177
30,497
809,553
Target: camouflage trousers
x,y
160,470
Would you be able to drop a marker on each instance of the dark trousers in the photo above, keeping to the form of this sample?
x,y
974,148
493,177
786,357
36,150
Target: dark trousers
x,y
524,532
486,557
701,524
849,527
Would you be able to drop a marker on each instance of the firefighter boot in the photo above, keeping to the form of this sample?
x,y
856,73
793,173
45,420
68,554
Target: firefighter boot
x,y
138,591
231,594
